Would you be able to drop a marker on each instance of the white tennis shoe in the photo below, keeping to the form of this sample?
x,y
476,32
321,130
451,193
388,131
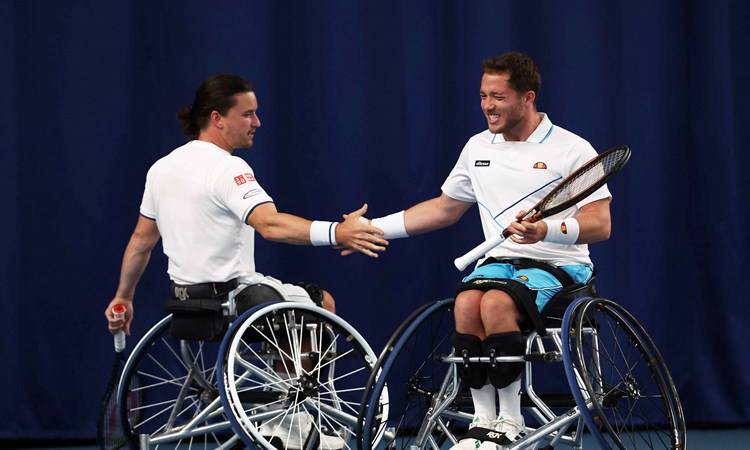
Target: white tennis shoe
x,y
479,420
512,431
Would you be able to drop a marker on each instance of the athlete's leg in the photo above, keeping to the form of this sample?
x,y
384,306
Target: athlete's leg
x,y
328,303
467,313
499,313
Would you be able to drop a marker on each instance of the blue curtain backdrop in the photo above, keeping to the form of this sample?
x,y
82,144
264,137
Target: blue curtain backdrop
x,y
365,101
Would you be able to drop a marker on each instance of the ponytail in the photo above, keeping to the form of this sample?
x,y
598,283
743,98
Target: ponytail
x,y
187,121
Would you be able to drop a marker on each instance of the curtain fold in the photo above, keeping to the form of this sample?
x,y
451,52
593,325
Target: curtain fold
x,y
365,102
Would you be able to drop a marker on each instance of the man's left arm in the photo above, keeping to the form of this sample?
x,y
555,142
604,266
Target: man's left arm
x,y
592,224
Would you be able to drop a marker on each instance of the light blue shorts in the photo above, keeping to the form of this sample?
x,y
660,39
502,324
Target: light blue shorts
x,y
539,281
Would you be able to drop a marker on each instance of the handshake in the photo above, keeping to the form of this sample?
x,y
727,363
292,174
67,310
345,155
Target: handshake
x,y
360,234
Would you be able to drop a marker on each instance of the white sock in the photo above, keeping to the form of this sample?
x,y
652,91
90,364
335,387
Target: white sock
x,y
484,401
509,399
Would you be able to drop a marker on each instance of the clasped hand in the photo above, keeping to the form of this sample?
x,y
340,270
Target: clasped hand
x,y
355,235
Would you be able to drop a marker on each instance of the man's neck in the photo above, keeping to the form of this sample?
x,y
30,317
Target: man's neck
x,y
525,128
216,139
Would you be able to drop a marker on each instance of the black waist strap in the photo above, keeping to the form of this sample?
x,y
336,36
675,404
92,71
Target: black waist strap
x,y
202,290
527,263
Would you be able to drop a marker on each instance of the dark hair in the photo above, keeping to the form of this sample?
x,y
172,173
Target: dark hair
x,y
216,93
523,73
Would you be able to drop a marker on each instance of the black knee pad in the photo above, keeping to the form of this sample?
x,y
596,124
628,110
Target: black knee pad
x,y
466,346
504,344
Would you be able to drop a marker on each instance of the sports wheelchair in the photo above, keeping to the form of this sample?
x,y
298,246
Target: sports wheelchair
x,y
618,386
284,375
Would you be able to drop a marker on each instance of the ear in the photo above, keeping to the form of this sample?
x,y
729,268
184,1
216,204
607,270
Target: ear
x,y
530,97
217,120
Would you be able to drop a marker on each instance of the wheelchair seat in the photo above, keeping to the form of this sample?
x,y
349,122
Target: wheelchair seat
x,y
551,315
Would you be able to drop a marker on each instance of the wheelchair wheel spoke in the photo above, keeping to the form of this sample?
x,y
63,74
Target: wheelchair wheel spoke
x,y
634,402
172,393
314,362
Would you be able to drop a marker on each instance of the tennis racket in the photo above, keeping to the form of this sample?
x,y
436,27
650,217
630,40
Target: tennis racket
x,y
576,187
109,431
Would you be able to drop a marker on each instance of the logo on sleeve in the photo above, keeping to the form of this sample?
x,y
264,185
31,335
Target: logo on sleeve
x,y
240,180
482,163
250,177
539,165
251,193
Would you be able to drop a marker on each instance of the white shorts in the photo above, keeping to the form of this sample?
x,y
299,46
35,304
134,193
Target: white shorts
x,y
290,292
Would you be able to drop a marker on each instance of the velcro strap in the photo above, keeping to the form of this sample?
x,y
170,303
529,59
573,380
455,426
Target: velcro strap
x,y
527,263
486,434
192,305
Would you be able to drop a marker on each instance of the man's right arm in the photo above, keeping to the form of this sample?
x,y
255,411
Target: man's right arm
x,y
434,214
352,234
134,262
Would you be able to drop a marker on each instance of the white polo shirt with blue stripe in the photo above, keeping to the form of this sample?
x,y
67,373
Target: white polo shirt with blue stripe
x,y
201,196
505,177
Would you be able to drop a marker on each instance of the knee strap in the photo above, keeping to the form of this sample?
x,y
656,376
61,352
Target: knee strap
x,y
466,346
504,344
523,297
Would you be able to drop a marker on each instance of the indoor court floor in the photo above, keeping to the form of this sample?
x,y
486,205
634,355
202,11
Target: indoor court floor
x,y
698,439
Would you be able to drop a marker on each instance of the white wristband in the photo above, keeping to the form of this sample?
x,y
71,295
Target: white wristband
x,y
323,233
562,231
393,226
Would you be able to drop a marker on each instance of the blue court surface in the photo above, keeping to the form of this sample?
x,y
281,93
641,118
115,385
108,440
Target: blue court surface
x,y
698,439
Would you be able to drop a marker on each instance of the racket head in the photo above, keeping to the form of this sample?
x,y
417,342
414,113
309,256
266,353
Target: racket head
x,y
583,182
109,434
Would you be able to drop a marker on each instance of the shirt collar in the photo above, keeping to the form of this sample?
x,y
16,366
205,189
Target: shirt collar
x,y
539,135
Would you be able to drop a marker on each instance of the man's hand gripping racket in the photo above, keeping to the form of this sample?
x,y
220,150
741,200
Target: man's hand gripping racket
x,y
119,312
576,187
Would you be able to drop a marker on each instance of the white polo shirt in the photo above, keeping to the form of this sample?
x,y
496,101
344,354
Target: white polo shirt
x,y
505,177
200,197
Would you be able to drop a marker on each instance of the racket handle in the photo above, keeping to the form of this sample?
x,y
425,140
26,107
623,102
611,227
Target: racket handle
x,y
119,312
477,252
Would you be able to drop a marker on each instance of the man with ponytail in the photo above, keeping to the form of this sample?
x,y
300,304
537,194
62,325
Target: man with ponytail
x,y
206,204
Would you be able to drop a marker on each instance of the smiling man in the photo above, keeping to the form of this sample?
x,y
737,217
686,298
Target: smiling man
x,y
506,170
205,204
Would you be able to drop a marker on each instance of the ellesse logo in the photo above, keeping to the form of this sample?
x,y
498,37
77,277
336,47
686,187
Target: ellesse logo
x,y
482,163
539,165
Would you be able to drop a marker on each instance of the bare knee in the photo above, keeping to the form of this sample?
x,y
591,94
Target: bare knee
x,y
467,313
328,303
499,312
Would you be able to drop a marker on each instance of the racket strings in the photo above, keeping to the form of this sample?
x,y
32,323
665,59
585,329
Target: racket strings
x,y
584,179
113,431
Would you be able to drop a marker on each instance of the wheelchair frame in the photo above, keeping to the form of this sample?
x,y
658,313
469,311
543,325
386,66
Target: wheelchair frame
x,y
620,388
205,394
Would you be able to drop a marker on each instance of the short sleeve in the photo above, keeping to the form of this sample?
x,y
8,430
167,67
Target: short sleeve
x,y
148,207
458,184
583,152
238,189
